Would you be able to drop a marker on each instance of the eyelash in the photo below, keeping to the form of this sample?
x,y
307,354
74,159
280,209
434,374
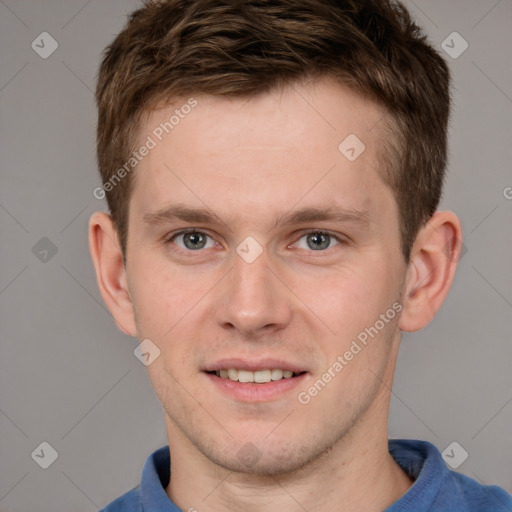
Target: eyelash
x,y
169,239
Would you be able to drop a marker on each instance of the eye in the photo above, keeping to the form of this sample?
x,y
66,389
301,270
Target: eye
x,y
317,241
191,240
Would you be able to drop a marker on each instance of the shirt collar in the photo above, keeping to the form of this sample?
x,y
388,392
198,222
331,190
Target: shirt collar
x,y
155,479
422,461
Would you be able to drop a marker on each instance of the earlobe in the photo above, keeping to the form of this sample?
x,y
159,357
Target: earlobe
x,y
110,271
432,266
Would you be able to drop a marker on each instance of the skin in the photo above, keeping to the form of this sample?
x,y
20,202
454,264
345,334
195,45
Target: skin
x,y
247,161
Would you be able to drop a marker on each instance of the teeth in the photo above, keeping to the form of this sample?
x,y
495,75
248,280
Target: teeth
x,y
277,374
243,376
260,376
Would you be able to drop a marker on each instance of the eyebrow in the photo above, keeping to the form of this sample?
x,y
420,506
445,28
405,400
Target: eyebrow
x,y
304,215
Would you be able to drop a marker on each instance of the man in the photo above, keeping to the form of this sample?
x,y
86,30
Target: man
x,y
273,170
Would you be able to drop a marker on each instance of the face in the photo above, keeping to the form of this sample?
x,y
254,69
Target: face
x,y
256,244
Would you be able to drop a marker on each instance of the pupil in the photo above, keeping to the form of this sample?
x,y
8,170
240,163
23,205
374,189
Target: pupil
x,y
319,240
194,240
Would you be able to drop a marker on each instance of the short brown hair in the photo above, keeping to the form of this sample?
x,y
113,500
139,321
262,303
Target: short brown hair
x,y
240,48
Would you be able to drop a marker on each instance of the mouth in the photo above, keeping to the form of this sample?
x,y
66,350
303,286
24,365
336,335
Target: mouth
x,y
265,380
256,376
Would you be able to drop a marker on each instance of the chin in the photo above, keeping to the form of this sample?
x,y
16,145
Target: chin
x,y
267,458
265,465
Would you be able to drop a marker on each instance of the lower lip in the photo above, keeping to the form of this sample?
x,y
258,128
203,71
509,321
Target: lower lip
x,y
252,392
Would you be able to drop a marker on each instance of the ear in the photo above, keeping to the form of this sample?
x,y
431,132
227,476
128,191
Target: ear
x,y
432,265
110,271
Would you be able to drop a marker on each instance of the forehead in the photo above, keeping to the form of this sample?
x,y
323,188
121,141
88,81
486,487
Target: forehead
x,y
306,141
312,108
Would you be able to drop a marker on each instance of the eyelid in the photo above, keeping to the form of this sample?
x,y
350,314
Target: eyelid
x,y
174,234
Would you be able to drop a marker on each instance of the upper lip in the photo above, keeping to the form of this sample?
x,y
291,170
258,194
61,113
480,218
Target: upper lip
x,y
254,365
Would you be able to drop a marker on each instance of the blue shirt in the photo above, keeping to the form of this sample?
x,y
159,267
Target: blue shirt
x,y
435,489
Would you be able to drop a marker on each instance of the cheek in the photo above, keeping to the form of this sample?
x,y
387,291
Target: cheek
x,y
168,299
349,300
159,296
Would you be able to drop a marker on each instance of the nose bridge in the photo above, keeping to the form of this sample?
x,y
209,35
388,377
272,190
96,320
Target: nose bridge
x,y
252,298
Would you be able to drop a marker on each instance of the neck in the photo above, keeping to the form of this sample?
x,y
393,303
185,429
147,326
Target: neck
x,y
357,471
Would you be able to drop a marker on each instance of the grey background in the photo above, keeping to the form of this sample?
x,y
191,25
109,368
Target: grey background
x,y
68,377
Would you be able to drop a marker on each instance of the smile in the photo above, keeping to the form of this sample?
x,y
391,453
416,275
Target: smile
x,y
259,376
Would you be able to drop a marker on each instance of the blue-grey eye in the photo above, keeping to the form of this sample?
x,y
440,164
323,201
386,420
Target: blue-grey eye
x,y
193,240
317,241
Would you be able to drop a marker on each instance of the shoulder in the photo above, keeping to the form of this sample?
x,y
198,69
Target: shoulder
x,y
475,496
128,502
437,488
155,477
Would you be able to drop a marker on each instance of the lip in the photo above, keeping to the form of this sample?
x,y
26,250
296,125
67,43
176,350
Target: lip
x,y
255,365
252,392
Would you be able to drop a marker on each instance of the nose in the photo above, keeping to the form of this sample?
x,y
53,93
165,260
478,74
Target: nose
x,y
253,300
